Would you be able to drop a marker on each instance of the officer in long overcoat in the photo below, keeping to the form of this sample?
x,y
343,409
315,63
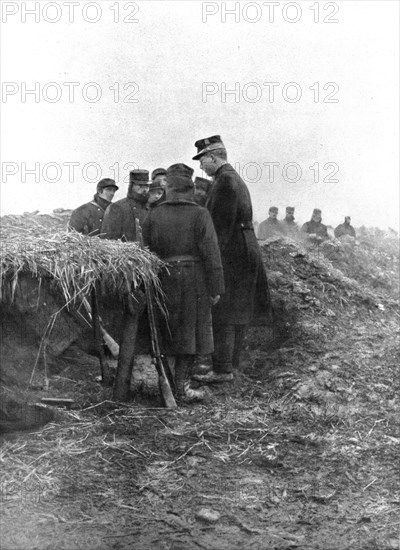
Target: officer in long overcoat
x,y
246,296
182,234
87,219
119,218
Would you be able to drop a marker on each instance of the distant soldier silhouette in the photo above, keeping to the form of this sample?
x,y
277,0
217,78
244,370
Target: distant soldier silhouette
x,y
345,229
270,227
288,223
314,229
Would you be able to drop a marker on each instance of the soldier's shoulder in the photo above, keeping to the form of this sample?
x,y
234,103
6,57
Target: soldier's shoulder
x,y
229,178
198,206
201,210
117,204
82,208
179,202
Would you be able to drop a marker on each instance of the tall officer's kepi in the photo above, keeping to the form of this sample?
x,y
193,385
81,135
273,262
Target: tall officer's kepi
x,y
207,145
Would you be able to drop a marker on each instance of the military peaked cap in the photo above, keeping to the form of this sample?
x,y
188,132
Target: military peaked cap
x,y
106,182
139,177
273,209
207,145
158,172
156,186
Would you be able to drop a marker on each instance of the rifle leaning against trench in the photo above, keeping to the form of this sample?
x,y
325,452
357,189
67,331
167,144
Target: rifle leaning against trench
x,y
104,366
159,359
107,338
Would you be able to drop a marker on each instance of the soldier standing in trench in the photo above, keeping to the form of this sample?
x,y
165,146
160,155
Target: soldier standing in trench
x,y
289,225
246,294
157,187
182,234
314,230
87,219
119,223
202,187
271,227
119,218
345,229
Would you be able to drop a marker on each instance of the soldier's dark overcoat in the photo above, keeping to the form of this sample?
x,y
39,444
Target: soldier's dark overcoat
x,y
316,227
270,228
345,229
182,229
87,219
119,218
246,295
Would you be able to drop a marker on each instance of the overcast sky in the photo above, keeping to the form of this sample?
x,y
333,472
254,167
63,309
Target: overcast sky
x,y
112,95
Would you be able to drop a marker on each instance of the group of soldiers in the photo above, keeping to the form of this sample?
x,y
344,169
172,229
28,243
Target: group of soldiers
x,y
215,283
313,230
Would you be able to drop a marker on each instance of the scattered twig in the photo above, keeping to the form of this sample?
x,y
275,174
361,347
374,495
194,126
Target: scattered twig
x,y
349,476
369,484
183,455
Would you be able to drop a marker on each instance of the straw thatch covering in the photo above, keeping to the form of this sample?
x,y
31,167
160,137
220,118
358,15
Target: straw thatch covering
x,y
45,272
74,261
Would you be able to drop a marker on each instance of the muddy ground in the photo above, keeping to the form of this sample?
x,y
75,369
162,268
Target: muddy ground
x,y
300,451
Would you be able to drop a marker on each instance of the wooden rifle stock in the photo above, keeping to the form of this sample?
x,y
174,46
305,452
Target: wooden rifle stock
x,y
164,384
108,339
104,367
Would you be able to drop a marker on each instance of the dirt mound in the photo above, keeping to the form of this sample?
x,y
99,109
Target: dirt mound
x,y
46,272
308,288
300,451
58,220
372,260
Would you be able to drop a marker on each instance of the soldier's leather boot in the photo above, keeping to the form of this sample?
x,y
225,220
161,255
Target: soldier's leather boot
x,y
184,392
213,377
202,364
